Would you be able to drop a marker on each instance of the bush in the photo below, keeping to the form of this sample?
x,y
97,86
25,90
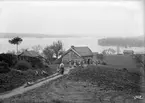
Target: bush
x,y
4,67
11,80
124,70
23,65
36,62
8,58
104,63
15,78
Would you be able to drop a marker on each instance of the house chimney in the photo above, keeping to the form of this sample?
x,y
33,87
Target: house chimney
x,y
72,46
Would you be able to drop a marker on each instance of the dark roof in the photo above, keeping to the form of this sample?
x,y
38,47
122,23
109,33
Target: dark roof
x,y
83,51
95,53
29,53
80,51
128,51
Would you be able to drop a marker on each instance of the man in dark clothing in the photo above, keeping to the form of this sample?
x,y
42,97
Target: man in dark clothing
x,y
61,66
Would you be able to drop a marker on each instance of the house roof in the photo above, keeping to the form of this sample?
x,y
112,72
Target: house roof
x,y
80,51
83,51
95,53
29,53
128,51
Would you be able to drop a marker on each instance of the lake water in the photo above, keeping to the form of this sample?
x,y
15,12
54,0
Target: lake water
x,y
91,42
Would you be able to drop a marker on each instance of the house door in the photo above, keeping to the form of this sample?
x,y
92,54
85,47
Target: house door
x,y
88,61
70,63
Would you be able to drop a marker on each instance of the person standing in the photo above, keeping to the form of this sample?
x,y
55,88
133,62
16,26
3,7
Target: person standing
x,y
61,66
75,65
82,63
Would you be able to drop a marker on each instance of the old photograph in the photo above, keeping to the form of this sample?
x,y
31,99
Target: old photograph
x,y
72,51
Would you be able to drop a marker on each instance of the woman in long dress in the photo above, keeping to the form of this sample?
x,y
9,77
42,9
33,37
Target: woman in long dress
x,y
61,66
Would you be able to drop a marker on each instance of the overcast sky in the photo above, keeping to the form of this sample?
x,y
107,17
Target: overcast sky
x,y
72,18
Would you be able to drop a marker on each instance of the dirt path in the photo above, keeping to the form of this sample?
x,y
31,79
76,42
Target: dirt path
x,y
24,89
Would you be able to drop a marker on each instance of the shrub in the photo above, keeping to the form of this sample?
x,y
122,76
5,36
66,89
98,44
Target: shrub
x,y
8,58
23,65
104,63
58,101
36,62
4,67
15,78
11,80
124,70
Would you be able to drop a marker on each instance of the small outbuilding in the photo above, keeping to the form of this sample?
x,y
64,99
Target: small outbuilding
x,y
128,52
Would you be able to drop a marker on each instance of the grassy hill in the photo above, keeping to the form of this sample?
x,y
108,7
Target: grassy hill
x,y
15,79
110,78
84,85
121,61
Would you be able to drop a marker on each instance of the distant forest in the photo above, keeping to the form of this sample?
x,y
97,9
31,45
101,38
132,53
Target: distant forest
x,y
123,42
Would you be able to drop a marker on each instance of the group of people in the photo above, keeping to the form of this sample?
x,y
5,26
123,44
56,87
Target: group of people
x,y
60,68
77,63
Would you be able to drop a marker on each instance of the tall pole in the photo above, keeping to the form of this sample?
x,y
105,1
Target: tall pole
x,y
118,49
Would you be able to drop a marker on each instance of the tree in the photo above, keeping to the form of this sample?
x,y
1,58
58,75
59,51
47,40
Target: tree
x,y
48,53
37,48
139,59
11,52
109,51
57,48
16,41
53,51
100,57
22,50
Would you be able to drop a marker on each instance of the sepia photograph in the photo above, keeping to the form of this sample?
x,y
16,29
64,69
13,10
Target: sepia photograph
x,y
72,51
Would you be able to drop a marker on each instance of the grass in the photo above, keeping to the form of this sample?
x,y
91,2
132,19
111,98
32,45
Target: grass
x,y
83,85
52,101
37,95
110,78
121,61
53,67
14,79
59,101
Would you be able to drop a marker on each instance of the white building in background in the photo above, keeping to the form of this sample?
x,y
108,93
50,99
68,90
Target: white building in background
x,y
128,52
118,50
